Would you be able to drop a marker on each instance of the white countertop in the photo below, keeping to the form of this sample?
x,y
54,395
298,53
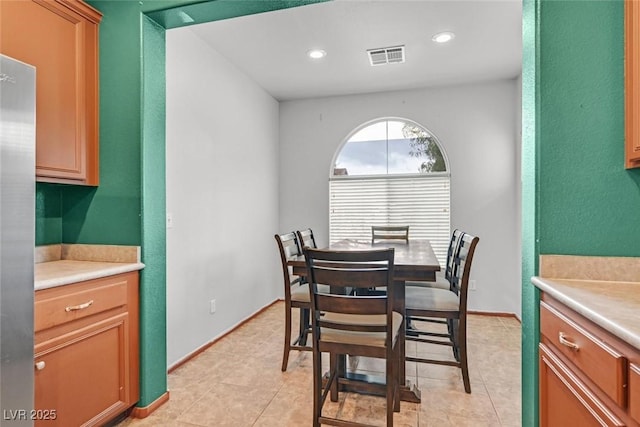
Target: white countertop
x,y
64,272
614,306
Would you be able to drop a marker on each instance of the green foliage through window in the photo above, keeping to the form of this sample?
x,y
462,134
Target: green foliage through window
x,y
424,146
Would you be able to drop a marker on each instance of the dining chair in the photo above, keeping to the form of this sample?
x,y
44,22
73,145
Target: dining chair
x,y
385,232
306,238
425,304
345,324
296,295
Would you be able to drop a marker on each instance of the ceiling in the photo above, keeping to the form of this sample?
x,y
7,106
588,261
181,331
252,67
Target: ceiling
x,y
271,48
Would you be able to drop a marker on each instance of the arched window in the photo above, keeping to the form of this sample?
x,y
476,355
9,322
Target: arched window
x,y
391,172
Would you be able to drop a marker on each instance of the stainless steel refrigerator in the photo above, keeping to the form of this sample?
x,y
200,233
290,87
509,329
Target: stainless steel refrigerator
x,y
17,239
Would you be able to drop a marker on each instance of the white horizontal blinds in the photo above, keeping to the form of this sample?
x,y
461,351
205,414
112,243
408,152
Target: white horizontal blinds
x,y
420,201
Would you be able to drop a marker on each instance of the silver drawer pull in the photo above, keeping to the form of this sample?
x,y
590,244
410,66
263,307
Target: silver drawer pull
x,y
79,307
567,343
40,365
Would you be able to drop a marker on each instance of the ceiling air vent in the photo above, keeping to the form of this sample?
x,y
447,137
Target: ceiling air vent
x,y
386,55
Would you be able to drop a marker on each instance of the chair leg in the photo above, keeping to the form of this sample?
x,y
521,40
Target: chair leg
x,y
304,326
287,337
317,387
334,385
455,338
391,376
396,365
462,349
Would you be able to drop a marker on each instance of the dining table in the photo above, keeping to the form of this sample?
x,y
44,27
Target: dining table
x,y
413,261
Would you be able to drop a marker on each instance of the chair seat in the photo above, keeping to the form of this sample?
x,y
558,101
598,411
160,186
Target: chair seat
x,y
441,282
301,293
373,339
422,298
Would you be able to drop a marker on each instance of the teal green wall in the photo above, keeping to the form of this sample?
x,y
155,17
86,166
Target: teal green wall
x,y
577,197
153,316
48,214
530,139
588,201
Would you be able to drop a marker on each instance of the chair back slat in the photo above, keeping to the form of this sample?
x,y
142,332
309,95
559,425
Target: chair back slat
x,y
353,304
357,277
375,327
384,232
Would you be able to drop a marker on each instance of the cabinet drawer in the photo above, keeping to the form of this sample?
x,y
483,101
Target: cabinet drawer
x,y
634,392
565,400
605,366
68,303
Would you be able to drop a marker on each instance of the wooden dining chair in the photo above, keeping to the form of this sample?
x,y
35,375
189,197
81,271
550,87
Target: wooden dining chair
x,y
384,232
306,238
425,304
345,324
296,295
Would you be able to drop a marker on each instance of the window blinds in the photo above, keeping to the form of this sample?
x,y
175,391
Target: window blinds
x,y
420,201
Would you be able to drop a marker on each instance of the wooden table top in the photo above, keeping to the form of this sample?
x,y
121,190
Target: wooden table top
x,y
413,261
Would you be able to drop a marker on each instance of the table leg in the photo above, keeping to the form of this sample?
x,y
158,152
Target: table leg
x,y
399,306
304,325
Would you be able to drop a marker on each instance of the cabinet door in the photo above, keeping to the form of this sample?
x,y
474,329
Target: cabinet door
x,y
83,376
632,84
565,401
634,391
59,40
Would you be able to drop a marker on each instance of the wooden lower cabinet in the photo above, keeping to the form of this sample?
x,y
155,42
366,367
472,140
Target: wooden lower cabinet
x,y
86,362
588,376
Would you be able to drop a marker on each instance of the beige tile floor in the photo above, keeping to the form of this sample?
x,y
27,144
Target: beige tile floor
x,y
237,382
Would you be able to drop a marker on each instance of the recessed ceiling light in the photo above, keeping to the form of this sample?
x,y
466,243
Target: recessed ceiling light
x,y
443,37
316,53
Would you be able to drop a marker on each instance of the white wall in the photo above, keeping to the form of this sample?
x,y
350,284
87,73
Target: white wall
x,y
477,126
222,190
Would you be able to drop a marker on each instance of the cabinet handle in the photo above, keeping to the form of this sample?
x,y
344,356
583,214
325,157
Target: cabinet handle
x,y
79,307
40,365
567,343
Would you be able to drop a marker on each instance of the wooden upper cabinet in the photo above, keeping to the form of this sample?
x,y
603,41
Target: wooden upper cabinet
x,y
632,83
60,38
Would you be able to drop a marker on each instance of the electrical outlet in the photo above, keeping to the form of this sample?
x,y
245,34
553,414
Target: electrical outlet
x,y
169,220
212,306
472,285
